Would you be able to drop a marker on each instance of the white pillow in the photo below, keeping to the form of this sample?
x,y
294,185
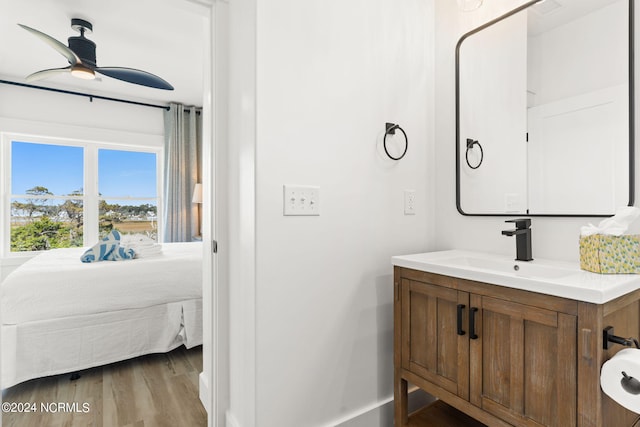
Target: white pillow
x,y
135,239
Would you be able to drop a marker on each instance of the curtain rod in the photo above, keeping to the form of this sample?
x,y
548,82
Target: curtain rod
x,y
69,92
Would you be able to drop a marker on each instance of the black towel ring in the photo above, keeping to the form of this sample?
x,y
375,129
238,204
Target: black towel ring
x,y
390,129
470,144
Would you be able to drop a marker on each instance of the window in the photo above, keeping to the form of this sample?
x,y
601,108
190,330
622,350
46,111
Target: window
x,y
69,193
46,196
127,192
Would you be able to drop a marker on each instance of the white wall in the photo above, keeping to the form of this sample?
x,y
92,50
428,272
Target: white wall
x,y
329,74
60,109
552,237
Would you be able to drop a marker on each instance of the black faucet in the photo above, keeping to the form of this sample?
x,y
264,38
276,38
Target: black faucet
x,y
523,238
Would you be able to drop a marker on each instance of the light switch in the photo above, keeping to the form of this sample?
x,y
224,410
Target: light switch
x,y
301,200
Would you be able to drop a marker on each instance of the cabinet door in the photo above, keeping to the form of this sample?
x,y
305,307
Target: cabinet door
x,y
431,344
523,363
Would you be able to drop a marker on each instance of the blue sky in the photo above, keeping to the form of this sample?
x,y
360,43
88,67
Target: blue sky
x,y
60,169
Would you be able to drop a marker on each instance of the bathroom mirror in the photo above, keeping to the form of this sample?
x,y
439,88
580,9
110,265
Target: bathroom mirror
x,y
544,108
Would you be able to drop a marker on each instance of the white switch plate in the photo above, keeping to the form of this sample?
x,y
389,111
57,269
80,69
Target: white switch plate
x,y
301,200
511,202
409,202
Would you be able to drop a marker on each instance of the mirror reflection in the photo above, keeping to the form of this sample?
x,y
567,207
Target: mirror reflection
x,y
543,111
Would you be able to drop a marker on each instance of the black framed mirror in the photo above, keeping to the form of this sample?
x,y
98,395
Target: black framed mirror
x,y
544,111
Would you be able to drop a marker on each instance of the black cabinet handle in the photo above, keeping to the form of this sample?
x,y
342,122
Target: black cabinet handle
x,y
460,308
472,323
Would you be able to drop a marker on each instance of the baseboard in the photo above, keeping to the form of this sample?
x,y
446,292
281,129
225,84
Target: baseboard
x,y
380,414
204,392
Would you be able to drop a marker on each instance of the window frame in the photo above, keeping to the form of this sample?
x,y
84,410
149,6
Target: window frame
x,y
90,197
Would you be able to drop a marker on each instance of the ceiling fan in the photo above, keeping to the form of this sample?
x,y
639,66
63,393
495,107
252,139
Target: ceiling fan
x,y
81,54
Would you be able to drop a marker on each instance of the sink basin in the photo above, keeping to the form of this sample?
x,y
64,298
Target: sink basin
x,y
563,279
517,268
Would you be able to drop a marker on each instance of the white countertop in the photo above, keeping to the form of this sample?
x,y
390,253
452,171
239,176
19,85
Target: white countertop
x,y
562,279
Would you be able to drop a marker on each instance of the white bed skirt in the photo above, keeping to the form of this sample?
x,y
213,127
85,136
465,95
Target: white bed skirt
x,y
50,347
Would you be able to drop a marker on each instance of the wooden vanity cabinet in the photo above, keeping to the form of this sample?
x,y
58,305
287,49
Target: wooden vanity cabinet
x,y
522,363
431,345
506,357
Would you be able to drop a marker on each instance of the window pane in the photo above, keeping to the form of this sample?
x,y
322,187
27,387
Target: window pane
x,y
126,173
129,217
46,169
42,224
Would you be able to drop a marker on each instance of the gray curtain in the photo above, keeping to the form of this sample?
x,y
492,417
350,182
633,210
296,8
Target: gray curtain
x,y
182,170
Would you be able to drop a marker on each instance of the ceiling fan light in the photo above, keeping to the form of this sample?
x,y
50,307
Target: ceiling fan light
x,y
83,73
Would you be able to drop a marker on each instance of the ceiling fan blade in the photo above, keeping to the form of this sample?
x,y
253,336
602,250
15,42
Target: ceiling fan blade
x,y
43,74
61,48
134,76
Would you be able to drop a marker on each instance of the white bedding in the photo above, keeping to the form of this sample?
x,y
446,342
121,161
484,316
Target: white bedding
x,y
55,284
61,315
50,347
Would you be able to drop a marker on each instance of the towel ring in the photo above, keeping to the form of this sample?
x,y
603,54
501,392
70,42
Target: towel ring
x,y
390,129
470,144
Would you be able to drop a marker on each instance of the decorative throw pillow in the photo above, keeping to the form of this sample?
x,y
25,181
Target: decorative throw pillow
x,y
108,249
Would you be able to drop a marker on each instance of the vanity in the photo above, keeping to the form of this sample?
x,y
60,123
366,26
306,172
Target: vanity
x,y
510,343
544,109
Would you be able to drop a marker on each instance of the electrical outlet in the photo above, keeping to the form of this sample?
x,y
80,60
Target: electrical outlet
x,y
301,200
409,202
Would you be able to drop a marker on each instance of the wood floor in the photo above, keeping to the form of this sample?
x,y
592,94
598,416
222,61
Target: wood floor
x,y
439,414
150,391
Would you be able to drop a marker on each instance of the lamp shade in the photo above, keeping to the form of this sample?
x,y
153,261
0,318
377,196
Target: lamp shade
x,y
197,193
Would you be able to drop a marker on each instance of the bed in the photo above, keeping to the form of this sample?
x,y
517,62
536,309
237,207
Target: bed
x,y
60,315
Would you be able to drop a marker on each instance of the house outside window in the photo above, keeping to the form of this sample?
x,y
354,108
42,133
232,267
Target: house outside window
x,y
67,193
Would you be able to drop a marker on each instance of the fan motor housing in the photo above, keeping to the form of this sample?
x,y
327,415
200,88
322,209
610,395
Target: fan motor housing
x,y
84,48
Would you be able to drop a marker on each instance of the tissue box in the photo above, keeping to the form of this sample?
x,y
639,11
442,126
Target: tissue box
x,y
602,253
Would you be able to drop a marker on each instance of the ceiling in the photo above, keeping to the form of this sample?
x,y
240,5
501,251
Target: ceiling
x,y
167,38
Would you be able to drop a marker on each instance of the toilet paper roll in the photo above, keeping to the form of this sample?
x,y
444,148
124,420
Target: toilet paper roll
x,y
620,378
